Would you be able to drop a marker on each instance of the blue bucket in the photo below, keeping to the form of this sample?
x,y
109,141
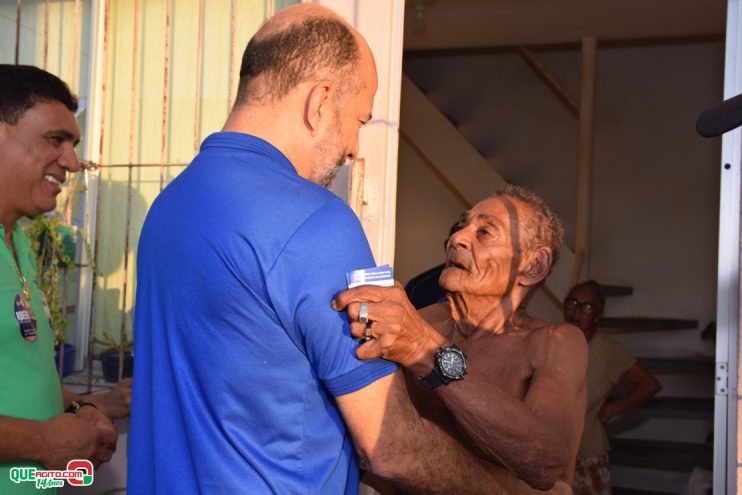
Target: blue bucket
x,y
69,359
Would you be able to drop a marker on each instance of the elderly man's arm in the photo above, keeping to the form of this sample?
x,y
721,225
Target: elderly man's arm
x,y
412,453
533,437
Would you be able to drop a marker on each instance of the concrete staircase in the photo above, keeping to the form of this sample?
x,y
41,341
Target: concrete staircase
x,y
656,447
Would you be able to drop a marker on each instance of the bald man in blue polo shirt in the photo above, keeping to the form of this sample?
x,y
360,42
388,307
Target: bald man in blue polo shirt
x,y
246,378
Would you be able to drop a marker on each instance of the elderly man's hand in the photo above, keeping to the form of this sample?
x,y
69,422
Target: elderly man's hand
x,y
397,332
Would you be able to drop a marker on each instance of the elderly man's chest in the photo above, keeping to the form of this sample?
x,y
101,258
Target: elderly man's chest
x,y
503,360
495,361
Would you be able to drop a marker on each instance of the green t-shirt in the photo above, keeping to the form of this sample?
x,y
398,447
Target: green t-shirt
x,y
29,384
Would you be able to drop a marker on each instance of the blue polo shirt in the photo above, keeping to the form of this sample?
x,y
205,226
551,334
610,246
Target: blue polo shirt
x,y
238,354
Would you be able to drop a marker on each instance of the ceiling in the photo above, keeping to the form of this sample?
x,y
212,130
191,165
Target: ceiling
x,y
449,24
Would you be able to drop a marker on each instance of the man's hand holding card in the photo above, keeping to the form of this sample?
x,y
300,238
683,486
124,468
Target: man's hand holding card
x,y
381,315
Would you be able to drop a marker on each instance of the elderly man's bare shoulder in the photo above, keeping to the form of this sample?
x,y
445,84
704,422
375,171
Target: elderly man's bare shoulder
x,y
438,316
550,330
547,338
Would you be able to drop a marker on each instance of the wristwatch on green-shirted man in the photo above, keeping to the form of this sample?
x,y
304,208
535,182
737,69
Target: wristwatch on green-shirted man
x,y
449,365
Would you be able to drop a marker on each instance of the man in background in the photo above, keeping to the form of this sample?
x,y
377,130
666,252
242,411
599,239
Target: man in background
x,y
38,134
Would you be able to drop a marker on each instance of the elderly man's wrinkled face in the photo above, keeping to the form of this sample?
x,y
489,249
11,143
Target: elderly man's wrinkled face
x,y
485,253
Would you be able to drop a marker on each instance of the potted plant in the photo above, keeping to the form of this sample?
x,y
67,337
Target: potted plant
x,y
117,359
54,244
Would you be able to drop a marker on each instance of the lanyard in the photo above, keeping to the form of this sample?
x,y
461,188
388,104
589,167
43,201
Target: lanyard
x,y
24,282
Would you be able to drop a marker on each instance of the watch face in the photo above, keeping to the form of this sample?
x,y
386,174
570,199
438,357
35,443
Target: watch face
x,y
452,364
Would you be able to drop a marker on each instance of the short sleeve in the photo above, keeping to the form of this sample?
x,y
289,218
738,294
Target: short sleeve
x,y
304,279
619,360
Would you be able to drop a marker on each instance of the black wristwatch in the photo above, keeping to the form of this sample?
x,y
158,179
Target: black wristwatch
x,y
449,365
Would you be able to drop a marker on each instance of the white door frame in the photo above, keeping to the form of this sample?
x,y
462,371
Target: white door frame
x,y
727,309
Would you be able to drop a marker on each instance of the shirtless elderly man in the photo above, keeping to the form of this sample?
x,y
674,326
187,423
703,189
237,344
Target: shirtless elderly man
x,y
521,402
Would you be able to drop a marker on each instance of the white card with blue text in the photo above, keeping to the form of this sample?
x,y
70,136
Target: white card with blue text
x,y
378,275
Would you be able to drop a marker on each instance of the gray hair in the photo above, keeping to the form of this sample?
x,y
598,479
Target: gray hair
x,y
544,229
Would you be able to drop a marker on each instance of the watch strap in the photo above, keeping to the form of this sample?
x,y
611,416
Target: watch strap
x,y
433,379
75,406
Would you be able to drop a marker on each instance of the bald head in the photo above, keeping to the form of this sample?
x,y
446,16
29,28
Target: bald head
x,y
294,14
301,43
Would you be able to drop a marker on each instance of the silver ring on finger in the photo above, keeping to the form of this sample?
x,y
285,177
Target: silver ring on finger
x,y
363,313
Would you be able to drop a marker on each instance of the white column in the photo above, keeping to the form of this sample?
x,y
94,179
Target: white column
x,y
381,22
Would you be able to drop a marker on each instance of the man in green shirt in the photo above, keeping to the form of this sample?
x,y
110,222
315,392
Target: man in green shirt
x,y
38,134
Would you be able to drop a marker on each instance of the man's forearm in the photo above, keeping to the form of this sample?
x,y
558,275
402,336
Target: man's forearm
x,y
22,439
417,456
506,431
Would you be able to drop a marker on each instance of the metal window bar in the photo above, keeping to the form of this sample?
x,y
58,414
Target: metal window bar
x,y
165,89
46,35
127,225
17,30
76,28
96,244
233,51
199,75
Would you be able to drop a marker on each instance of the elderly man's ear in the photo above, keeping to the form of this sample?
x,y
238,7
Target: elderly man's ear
x,y
537,267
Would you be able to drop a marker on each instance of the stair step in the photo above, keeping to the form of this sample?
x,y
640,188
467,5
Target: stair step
x,y
661,455
680,365
648,480
677,408
647,323
617,490
616,290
